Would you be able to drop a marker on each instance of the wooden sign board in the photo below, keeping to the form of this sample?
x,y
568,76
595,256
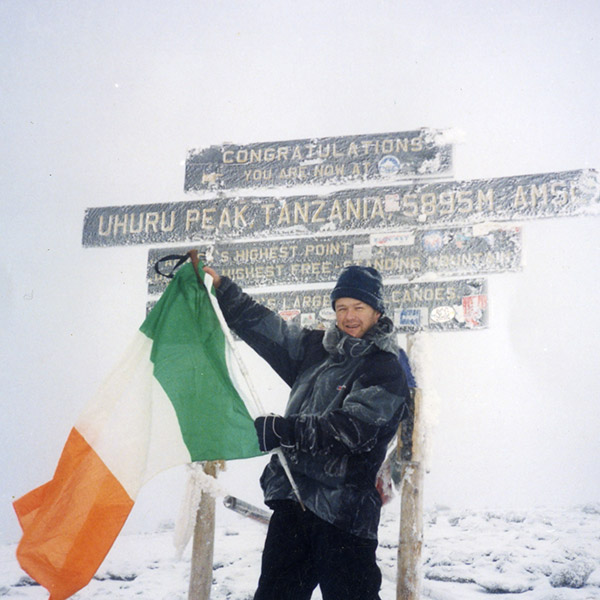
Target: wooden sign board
x,y
425,306
372,210
400,255
331,160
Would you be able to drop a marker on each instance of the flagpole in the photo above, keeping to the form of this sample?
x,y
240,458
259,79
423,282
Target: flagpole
x,y
207,282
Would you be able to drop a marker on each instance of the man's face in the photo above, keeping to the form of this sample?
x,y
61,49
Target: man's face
x,y
355,317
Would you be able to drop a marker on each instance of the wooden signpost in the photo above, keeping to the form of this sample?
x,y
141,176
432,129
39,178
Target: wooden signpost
x,y
410,543
409,454
203,543
406,223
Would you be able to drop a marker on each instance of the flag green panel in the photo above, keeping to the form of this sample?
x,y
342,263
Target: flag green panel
x,y
188,353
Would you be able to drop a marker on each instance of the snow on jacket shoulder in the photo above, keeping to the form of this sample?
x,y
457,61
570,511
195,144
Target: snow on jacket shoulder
x,y
347,398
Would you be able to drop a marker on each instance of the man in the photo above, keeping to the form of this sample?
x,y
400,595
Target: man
x,y
348,394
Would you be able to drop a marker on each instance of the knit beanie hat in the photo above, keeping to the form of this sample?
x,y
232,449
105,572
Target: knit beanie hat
x,y
362,283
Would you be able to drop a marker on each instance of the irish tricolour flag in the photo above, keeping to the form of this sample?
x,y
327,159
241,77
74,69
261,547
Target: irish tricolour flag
x,y
175,397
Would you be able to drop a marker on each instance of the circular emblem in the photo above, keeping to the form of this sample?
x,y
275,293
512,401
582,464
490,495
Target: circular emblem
x,y
389,165
442,314
432,241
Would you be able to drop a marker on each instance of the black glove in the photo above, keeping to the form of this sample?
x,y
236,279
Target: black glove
x,y
273,431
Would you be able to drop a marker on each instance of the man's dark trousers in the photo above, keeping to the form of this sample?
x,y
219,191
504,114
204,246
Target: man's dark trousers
x,y
303,551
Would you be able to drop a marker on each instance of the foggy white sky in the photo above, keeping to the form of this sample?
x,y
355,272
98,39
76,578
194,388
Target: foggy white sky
x,y
99,104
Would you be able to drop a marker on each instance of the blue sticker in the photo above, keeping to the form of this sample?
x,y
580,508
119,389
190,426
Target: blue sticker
x,y
409,316
388,165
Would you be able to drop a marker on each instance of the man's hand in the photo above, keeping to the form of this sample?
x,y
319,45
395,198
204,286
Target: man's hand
x,y
216,277
273,431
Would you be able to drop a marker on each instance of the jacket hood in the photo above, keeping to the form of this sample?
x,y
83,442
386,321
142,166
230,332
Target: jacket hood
x,y
381,335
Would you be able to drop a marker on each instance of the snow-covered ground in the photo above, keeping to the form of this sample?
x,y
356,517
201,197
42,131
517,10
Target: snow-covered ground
x,y
537,554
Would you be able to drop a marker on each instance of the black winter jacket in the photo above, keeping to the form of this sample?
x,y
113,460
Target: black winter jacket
x,y
347,398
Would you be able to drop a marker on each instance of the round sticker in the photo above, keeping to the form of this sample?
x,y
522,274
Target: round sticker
x,y
388,165
327,314
442,314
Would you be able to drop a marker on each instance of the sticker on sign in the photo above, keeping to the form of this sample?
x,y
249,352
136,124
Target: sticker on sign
x,y
290,314
442,314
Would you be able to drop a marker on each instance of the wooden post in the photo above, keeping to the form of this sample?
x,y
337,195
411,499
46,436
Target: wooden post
x,y
410,544
203,543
